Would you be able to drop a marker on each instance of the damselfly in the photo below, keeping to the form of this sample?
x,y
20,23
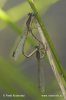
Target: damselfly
x,y
20,49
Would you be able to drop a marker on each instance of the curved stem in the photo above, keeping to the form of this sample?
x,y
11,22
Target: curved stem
x,y
51,52
47,36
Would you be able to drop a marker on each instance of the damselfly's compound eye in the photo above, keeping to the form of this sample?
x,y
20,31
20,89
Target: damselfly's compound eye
x,y
31,14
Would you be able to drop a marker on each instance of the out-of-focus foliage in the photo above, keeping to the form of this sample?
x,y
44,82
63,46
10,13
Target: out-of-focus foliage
x,y
2,3
16,13
9,73
9,76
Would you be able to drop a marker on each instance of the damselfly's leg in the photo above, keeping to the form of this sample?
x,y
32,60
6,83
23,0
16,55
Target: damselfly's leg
x,y
29,55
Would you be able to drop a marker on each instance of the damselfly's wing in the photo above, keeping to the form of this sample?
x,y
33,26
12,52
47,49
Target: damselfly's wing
x,y
18,51
41,78
20,46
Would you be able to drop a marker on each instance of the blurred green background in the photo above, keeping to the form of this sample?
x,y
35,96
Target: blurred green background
x,y
20,77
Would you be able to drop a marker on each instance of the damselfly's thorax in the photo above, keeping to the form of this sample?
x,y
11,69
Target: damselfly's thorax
x,y
29,21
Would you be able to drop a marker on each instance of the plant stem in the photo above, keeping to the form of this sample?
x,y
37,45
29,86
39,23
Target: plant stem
x,y
52,62
51,45
51,52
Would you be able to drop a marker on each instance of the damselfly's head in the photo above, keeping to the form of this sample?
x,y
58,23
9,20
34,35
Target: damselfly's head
x,y
31,14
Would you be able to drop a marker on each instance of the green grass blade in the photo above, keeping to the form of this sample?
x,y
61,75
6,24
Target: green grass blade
x,y
7,19
50,43
51,52
2,3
